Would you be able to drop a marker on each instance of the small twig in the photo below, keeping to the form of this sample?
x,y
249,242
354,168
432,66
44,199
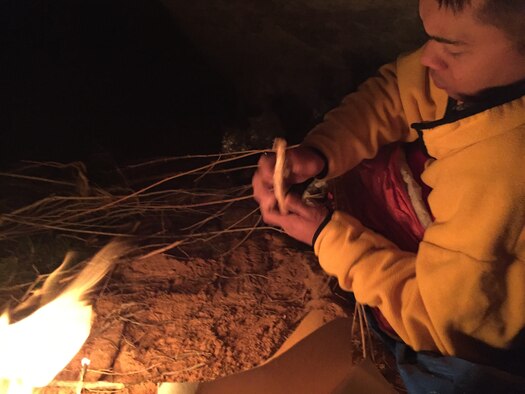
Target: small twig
x,y
162,250
51,227
362,329
162,181
164,160
208,170
196,366
110,373
228,170
368,332
354,319
101,385
200,204
35,178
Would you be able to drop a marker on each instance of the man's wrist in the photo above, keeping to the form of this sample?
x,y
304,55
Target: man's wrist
x,y
324,170
323,224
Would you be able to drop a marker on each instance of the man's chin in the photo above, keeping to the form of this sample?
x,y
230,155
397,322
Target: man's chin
x,y
457,96
440,85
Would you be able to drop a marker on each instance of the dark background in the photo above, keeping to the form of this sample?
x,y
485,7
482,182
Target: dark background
x,y
134,79
105,75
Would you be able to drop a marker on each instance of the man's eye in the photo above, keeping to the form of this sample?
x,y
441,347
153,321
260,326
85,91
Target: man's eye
x,y
455,54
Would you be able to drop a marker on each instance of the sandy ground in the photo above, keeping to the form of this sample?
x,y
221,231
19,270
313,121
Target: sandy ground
x,y
210,309
164,319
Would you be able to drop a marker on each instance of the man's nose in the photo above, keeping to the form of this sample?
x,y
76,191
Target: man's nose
x,y
431,56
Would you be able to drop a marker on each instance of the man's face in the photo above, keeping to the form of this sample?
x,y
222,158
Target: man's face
x,y
464,55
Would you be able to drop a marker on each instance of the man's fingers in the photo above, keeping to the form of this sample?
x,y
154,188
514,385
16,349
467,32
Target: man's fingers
x,y
262,194
273,217
266,167
296,205
260,189
301,221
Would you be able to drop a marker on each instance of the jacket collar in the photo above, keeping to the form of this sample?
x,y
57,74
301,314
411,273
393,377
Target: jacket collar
x,y
486,100
503,110
466,131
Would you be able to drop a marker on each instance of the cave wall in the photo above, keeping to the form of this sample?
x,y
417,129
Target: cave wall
x,y
297,58
142,78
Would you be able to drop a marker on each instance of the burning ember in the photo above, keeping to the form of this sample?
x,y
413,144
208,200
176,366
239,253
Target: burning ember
x,y
35,349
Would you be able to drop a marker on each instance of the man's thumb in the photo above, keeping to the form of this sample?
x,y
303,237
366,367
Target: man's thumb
x,y
295,205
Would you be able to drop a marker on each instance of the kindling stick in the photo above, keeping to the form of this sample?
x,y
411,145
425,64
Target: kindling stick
x,y
102,385
279,147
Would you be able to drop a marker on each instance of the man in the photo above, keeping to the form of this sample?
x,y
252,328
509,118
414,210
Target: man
x,y
459,291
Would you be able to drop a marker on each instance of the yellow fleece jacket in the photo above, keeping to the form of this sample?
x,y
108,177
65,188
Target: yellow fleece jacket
x,y
465,287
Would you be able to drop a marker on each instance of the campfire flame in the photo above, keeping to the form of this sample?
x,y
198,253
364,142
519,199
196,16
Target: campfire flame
x,y
35,349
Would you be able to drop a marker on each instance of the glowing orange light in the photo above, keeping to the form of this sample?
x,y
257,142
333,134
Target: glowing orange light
x,y
35,349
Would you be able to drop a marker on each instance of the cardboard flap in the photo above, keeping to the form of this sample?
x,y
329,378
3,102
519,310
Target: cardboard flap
x,y
321,363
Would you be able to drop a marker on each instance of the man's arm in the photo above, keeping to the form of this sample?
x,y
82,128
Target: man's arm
x,y
366,120
465,286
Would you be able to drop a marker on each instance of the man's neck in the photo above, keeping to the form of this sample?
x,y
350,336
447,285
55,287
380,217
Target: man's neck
x,y
511,91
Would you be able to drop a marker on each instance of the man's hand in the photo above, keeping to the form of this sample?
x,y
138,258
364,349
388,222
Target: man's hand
x,y
302,164
302,221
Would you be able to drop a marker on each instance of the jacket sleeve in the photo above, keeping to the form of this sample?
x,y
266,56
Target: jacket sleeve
x,y
366,120
380,275
465,286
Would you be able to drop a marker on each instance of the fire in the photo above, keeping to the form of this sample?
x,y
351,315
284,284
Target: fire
x,y
35,349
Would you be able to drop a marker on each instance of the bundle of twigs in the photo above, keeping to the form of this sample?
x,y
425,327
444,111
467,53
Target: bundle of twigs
x,y
165,205
193,198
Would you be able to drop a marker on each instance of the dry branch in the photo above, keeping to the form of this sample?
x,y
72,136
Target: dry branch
x,y
101,385
157,206
279,175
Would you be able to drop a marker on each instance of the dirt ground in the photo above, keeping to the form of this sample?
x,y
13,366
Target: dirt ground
x,y
166,319
222,303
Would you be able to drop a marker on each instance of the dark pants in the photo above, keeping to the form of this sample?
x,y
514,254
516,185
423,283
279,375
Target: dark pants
x,y
426,372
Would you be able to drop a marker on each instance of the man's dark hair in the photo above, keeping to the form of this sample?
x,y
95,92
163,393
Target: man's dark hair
x,y
507,15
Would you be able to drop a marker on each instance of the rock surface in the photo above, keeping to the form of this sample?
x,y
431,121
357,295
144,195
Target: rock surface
x,y
299,57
